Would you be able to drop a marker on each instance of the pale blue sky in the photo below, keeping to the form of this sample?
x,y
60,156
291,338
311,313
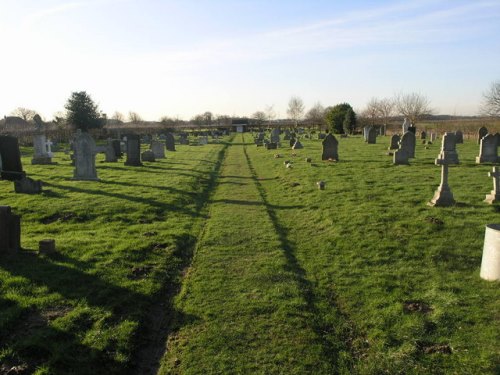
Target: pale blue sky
x,y
181,58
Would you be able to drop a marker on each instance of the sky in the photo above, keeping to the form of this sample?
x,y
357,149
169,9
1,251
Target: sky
x,y
235,57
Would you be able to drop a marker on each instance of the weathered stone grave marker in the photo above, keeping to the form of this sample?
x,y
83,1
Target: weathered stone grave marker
x,y
169,142
133,150
394,142
488,150
10,230
330,148
372,135
85,151
481,133
448,149
494,196
158,149
443,197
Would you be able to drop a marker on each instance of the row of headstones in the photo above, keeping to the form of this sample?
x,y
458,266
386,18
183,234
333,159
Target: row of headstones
x,y
275,140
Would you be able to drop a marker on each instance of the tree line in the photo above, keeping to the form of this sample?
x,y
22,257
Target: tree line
x,y
83,113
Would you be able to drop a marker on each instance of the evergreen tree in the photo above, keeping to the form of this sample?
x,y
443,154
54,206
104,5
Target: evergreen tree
x,y
335,117
349,121
82,112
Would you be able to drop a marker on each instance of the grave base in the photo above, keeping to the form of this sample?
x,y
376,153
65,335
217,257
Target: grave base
x,y
492,198
443,197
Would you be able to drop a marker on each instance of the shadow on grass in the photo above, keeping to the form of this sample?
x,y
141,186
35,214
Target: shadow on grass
x,y
333,347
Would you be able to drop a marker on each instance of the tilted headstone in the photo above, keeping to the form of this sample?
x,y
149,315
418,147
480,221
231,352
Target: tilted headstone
x,y
11,166
40,154
10,230
169,142
488,150
148,155
297,145
443,197
408,143
372,136
158,149
423,135
133,150
482,131
448,149
494,196
459,137
275,135
394,142
330,148
85,151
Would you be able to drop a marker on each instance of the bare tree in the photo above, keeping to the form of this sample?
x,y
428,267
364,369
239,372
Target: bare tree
x,y
118,116
260,117
316,115
270,114
413,106
371,112
134,117
491,100
25,113
295,109
386,109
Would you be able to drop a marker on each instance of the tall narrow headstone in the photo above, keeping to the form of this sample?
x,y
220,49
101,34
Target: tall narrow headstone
x,y
110,153
459,137
275,136
133,150
481,133
494,196
448,149
408,142
10,159
10,230
372,135
169,142
85,151
406,125
330,148
423,135
443,197
297,145
488,151
366,129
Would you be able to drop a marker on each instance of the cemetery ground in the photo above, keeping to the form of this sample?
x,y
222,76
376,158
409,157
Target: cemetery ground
x,y
237,264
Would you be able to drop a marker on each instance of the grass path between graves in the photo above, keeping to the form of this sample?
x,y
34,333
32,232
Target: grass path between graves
x,y
245,305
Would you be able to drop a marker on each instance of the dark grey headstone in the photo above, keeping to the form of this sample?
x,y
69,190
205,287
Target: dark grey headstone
x,y
10,230
133,151
488,150
371,136
394,142
481,133
11,166
408,143
169,142
459,137
330,148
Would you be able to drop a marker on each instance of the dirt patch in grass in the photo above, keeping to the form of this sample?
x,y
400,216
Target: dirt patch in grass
x,y
416,306
430,348
10,369
434,220
139,272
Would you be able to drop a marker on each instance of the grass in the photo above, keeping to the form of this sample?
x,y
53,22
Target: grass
x,y
280,277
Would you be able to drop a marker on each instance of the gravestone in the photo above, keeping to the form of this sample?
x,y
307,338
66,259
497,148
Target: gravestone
x,y
408,142
372,135
406,125
400,156
448,149
271,146
158,149
394,142
412,129
183,140
423,135
297,145
488,150
330,148
10,230
275,136
10,156
459,137
494,196
381,130
27,185
291,141
49,145
169,142
432,137
148,155
110,152
481,133
116,144
85,151
133,151
40,155
443,197
287,135
366,129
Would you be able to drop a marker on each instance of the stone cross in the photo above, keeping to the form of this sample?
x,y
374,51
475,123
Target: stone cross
x,y
495,193
443,197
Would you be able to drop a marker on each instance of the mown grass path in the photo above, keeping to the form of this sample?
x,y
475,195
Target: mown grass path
x,y
244,306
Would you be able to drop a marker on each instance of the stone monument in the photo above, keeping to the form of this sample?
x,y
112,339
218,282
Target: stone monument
x,y
443,197
85,151
448,149
494,196
330,148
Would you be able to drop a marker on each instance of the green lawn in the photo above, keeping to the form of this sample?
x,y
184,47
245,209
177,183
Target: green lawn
x,y
240,265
